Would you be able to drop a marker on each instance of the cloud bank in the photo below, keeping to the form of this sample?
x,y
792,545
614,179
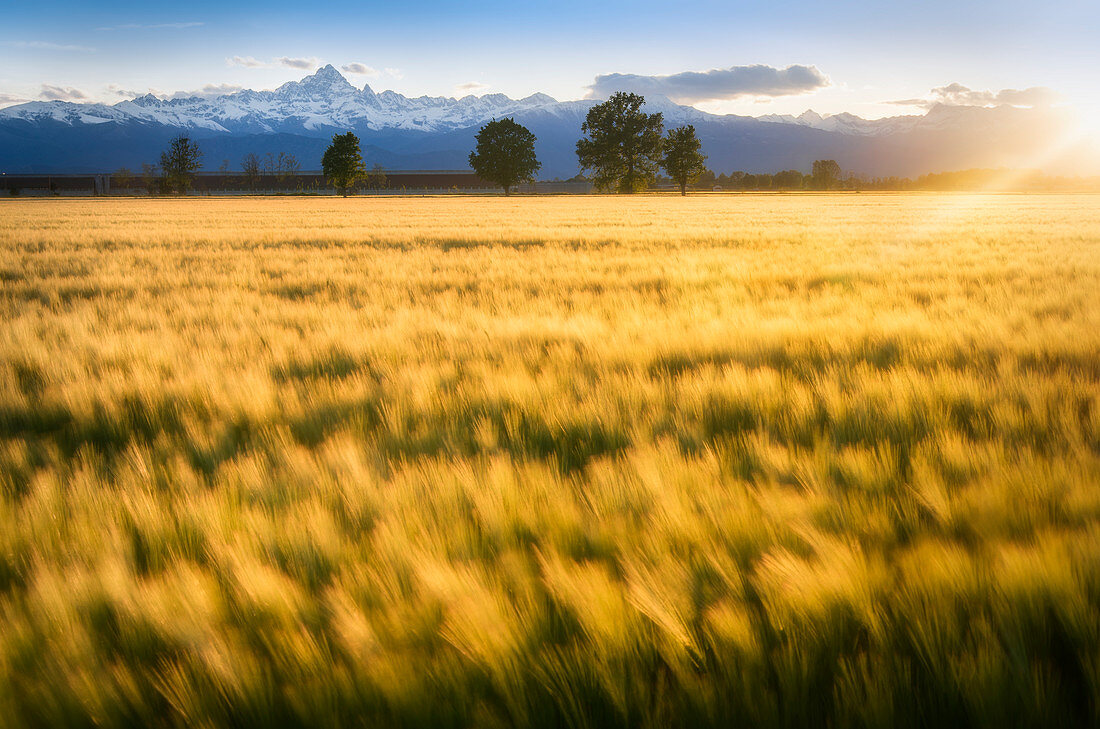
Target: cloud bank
x,y
956,94
691,87
471,87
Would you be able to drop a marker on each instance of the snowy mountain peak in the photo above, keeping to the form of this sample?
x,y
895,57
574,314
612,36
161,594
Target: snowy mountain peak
x,y
147,100
326,75
328,71
326,82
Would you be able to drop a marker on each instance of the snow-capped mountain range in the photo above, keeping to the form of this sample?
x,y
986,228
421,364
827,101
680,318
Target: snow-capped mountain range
x,y
327,100
436,132
322,101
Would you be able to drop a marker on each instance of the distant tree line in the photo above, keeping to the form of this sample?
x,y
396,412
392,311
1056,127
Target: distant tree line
x,y
255,168
962,180
183,158
826,175
622,149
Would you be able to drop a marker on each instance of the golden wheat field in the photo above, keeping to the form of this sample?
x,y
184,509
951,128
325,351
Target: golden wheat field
x,y
730,461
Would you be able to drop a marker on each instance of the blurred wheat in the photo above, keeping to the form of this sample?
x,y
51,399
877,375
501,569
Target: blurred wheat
x,y
589,462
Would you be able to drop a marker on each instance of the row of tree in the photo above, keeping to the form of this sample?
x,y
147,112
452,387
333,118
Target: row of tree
x,y
183,158
622,149
255,168
826,175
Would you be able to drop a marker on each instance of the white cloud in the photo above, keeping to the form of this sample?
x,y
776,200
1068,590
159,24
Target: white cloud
x,y
247,62
124,93
302,64
735,82
955,94
472,87
361,69
48,46
61,93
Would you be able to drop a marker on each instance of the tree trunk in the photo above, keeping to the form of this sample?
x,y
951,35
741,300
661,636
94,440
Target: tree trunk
x,y
683,188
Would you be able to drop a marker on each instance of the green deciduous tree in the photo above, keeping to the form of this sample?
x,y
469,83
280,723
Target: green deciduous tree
x,y
623,146
826,173
179,163
683,161
505,154
342,163
787,180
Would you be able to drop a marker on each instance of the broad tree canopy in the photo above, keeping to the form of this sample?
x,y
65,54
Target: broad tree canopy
x,y
623,146
505,154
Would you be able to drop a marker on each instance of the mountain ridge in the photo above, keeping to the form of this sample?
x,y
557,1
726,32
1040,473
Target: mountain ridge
x,y
336,102
59,135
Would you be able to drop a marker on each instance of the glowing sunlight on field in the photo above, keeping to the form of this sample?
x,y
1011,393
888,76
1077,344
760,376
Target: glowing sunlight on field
x,y
723,460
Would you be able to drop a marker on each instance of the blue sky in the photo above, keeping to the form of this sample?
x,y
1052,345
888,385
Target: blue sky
x,y
870,53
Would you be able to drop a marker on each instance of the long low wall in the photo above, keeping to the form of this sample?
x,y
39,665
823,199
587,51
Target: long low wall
x,y
103,184
217,183
88,184
315,181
